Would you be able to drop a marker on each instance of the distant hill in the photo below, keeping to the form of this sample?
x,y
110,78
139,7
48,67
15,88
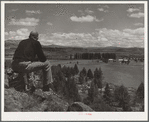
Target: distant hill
x,y
63,51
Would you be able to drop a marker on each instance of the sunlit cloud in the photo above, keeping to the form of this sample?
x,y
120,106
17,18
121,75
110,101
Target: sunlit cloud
x,y
138,24
49,23
130,10
18,34
136,15
33,12
24,22
87,18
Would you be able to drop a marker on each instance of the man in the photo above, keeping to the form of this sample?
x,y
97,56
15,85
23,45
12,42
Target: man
x,y
25,59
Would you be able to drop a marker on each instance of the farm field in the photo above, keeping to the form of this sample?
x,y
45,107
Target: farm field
x,y
129,75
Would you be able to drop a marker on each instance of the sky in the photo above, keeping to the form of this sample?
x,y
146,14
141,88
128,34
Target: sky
x,y
79,25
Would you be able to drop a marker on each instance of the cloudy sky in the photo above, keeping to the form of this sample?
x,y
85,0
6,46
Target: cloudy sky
x,y
83,25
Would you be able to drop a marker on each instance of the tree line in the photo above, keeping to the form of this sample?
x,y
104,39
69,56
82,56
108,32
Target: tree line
x,y
95,56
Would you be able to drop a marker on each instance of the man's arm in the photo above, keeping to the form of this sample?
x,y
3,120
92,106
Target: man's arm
x,y
40,53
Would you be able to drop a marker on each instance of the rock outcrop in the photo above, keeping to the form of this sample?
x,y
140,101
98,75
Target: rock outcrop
x,y
37,101
20,100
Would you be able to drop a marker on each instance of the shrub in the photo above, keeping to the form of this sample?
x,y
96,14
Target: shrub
x,y
100,105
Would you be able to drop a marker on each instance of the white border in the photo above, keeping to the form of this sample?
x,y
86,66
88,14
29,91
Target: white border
x,y
104,116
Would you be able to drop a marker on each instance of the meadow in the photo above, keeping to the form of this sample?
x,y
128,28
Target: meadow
x,y
129,75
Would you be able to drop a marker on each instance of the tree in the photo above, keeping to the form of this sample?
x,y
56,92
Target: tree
x,y
122,96
59,82
93,92
68,72
73,90
84,71
81,77
98,76
98,82
90,74
76,70
72,71
96,73
140,91
107,94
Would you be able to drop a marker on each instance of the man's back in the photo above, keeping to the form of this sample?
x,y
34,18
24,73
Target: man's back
x,y
27,51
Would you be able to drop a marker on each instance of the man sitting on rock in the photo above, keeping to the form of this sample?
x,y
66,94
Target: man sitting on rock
x,y
25,59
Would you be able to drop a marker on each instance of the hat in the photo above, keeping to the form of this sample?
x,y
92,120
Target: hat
x,y
34,35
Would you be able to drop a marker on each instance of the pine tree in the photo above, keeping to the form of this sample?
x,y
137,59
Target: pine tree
x,y
73,90
81,77
68,72
72,71
140,91
84,71
90,74
98,76
59,82
93,92
122,96
107,94
96,73
76,69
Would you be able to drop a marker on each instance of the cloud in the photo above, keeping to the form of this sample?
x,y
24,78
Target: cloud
x,y
13,10
49,23
23,32
136,15
103,8
138,31
81,12
130,10
87,18
101,38
138,24
132,13
19,34
106,6
100,9
24,22
89,11
72,35
72,39
6,33
31,12
124,38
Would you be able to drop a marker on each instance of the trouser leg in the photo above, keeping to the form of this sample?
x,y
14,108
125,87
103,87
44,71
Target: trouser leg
x,y
47,75
34,66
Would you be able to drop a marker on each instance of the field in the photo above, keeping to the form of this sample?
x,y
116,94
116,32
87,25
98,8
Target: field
x,y
129,75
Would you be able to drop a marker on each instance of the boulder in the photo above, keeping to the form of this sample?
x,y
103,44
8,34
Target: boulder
x,y
79,106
